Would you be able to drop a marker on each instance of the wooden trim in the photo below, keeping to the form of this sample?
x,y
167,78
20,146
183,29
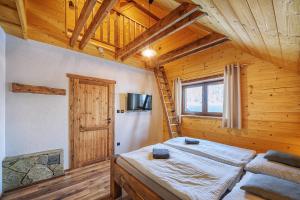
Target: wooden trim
x,y
193,47
204,99
174,28
85,13
102,12
71,121
176,15
88,78
207,78
120,178
22,88
22,16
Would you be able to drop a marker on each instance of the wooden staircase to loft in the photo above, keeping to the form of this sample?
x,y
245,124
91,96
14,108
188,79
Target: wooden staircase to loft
x,y
167,102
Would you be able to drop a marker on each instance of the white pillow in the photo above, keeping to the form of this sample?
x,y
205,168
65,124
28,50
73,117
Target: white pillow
x,y
260,165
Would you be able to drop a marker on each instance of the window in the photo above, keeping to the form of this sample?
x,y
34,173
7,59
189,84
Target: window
x,y
204,99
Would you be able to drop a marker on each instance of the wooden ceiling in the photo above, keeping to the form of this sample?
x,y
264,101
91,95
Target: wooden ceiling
x,y
268,29
13,17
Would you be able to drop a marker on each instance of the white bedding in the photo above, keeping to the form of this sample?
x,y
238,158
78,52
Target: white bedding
x,y
260,165
238,194
186,175
220,152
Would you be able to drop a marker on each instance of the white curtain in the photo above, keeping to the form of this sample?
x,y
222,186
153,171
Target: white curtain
x,y
178,97
232,98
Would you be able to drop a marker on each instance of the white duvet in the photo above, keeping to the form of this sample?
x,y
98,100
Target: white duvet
x,y
186,175
220,152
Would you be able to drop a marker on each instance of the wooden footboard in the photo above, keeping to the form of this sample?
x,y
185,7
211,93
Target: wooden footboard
x,y
120,178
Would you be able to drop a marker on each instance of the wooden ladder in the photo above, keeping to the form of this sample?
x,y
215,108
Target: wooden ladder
x,y
167,101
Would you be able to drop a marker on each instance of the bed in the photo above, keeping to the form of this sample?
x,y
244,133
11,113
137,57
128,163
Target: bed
x,y
182,176
220,152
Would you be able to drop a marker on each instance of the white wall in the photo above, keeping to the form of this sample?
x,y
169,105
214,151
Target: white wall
x,y
40,122
2,102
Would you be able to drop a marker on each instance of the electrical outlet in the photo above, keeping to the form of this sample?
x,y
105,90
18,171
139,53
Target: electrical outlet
x,y
118,143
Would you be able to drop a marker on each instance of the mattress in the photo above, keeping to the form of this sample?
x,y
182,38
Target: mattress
x,y
227,154
182,176
239,194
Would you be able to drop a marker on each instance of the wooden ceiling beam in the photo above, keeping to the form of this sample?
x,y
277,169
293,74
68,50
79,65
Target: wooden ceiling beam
x,y
22,16
176,27
144,10
173,17
193,47
84,15
102,12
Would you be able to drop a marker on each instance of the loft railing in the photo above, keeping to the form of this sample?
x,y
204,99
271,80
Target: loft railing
x,y
116,30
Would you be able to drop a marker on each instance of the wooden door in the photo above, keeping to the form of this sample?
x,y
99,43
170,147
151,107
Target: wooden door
x,y
91,120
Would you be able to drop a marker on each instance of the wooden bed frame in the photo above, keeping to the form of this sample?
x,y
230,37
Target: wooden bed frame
x,y
121,179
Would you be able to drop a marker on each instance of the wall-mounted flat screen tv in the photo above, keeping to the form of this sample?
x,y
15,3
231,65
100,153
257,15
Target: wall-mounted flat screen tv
x,y
139,102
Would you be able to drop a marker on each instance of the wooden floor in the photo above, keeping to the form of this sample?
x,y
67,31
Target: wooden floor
x,y
87,183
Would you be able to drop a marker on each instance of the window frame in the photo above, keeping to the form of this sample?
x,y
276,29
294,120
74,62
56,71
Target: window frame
x,y
204,85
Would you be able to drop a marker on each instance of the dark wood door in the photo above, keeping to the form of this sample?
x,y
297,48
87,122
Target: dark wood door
x,y
92,121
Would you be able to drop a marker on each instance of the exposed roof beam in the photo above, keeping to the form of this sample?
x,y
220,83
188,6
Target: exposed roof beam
x,y
173,17
179,25
193,47
102,12
144,10
22,17
84,15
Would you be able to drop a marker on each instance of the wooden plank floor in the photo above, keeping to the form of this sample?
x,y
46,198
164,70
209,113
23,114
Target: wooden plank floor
x,y
86,183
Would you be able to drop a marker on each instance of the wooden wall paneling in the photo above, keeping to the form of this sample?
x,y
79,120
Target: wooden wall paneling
x,y
270,100
22,88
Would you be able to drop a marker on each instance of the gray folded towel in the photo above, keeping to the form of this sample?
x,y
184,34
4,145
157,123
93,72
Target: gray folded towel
x,y
191,141
159,153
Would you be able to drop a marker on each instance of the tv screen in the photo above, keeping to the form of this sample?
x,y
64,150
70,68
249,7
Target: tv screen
x,y
139,102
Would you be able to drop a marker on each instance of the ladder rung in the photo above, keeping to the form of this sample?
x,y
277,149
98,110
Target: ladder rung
x,y
173,117
168,102
174,124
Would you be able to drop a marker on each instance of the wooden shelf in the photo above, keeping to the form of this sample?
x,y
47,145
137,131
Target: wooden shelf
x,y
21,88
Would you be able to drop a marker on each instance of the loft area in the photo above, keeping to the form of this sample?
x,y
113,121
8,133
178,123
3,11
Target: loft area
x,y
133,99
